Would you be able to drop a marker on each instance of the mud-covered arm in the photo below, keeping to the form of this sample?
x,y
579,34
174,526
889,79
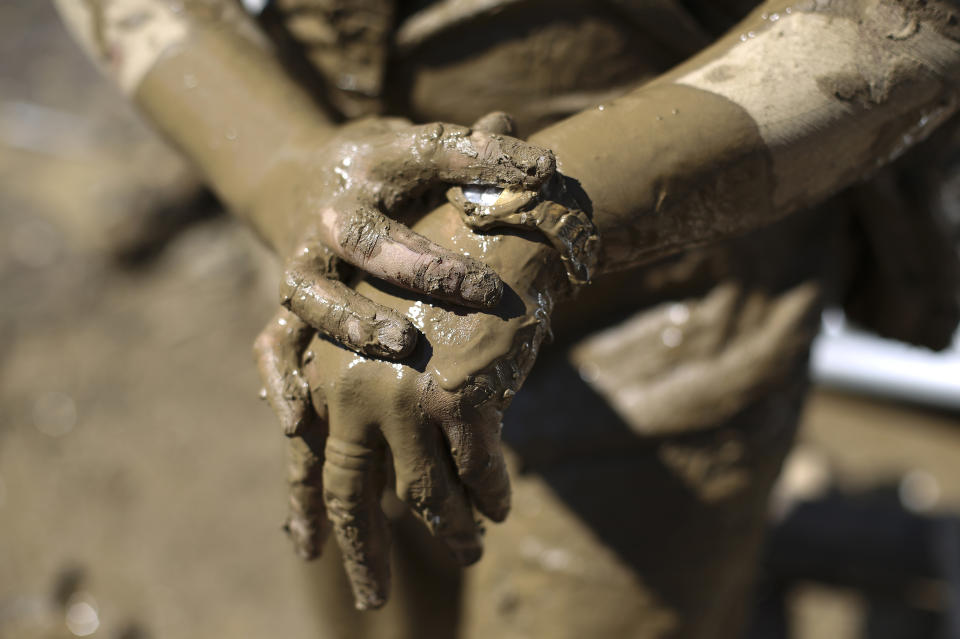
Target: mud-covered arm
x,y
204,76
318,194
798,101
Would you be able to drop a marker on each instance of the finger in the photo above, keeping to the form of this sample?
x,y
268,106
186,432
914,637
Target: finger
x,y
465,156
344,315
353,483
480,465
278,350
390,251
496,122
307,524
426,481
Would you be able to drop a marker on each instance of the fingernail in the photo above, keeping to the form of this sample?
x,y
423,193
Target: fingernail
x,y
397,338
482,287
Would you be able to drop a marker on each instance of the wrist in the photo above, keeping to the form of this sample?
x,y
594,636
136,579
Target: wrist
x,y
229,107
276,204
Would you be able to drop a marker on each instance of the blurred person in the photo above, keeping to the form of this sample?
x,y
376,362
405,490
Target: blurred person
x,y
643,449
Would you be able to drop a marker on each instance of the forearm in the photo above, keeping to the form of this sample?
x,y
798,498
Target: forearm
x,y
790,107
200,72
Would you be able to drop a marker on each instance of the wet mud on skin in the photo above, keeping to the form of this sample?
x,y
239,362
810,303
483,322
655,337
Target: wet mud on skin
x,y
181,434
682,190
308,189
701,193
465,369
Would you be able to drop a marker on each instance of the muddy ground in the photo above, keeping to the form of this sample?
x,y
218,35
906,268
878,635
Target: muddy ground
x,y
141,480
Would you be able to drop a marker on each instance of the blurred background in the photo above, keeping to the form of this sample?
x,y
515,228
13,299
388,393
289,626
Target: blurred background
x,y
141,481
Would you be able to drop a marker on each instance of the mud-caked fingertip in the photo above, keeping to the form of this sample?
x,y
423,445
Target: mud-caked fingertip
x,y
466,549
498,511
546,166
482,287
396,338
537,166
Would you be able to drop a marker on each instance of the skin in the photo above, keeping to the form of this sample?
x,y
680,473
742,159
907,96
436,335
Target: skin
x,y
708,167
717,152
334,190
317,193
437,417
436,422
705,152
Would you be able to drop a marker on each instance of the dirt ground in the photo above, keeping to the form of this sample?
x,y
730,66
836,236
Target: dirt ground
x,y
141,480
137,465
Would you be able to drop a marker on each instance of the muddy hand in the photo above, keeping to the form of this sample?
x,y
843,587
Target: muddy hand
x,y
327,302
440,448
392,426
429,427
333,197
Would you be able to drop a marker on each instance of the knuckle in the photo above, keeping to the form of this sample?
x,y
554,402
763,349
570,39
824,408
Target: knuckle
x,y
429,138
477,468
338,322
295,387
265,344
423,492
361,234
431,131
290,287
346,456
456,131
